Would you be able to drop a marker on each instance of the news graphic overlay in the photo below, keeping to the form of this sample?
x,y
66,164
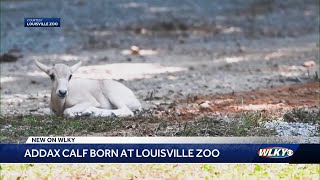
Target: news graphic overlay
x,y
154,150
275,152
42,22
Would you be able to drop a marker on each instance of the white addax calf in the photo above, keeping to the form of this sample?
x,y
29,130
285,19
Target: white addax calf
x,y
77,97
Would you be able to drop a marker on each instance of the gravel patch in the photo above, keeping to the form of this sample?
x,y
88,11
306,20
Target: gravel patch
x,y
293,128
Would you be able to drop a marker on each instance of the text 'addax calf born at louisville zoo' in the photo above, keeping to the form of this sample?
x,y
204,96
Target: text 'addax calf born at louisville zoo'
x,y
77,97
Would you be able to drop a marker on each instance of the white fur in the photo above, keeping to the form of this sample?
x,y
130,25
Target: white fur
x,y
88,96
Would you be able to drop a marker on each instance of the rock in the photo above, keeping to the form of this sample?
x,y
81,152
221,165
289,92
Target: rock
x,y
309,64
143,31
135,50
33,110
106,58
7,127
294,79
32,97
140,30
206,105
11,56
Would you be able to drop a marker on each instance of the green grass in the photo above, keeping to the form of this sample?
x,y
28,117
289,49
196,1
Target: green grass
x,y
160,171
18,128
303,115
252,123
213,126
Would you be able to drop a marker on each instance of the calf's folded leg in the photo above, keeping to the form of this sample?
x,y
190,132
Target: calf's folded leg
x,y
77,110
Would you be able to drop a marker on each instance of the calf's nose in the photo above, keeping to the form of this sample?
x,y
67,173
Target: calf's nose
x,y
62,92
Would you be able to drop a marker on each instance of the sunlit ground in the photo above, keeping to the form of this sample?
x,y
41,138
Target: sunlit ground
x,y
160,171
126,71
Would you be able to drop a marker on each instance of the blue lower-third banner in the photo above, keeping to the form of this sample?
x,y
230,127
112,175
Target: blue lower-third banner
x,y
159,153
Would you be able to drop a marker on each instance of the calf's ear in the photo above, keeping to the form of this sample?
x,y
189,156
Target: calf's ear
x,y
75,67
42,67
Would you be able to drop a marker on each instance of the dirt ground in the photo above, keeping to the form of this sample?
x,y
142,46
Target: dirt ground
x,y
203,57
272,100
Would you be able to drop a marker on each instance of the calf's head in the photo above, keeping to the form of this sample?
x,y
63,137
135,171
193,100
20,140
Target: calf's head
x,y
60,75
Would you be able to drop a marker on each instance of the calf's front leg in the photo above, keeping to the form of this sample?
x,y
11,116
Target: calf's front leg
x,y
98,112
77,110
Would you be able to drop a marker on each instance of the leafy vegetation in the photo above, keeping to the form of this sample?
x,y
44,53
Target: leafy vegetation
x,y
160,171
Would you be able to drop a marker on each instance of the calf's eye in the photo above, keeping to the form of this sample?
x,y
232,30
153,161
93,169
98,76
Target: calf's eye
x,y
70,77
52,77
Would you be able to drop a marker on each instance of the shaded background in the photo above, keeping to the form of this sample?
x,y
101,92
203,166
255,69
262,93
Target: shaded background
x,y
97,24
